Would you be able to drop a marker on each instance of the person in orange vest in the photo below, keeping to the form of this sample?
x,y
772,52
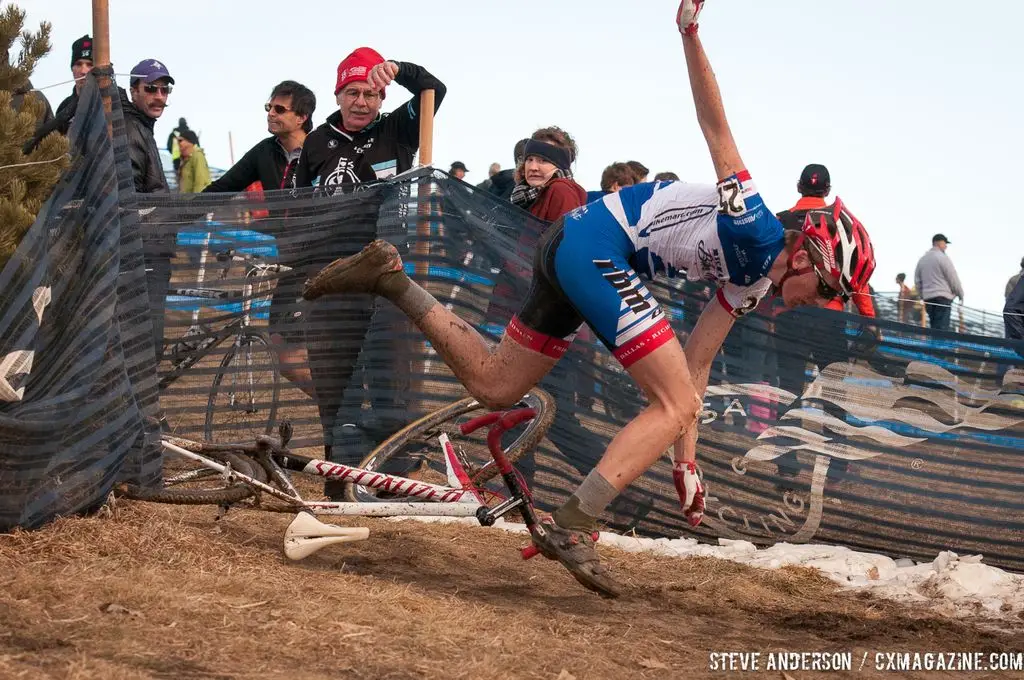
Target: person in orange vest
x,y
822,343
814,185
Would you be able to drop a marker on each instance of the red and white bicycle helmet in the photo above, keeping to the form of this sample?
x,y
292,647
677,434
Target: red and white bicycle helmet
x,y
843,244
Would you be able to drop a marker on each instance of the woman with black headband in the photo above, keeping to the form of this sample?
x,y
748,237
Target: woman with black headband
x,y
544,183
587,269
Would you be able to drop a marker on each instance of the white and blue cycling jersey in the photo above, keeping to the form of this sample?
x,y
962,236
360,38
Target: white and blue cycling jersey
x,y
722,233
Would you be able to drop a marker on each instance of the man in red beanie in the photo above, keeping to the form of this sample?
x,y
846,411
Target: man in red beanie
x,y
358,143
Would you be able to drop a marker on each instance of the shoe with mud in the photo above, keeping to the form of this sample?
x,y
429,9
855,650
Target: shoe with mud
x,y
359,273
575,550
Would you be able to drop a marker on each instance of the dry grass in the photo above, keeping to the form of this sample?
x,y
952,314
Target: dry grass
x,y
150,591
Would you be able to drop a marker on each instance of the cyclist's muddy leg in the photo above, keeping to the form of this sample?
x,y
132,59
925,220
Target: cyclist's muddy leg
x,y
497,376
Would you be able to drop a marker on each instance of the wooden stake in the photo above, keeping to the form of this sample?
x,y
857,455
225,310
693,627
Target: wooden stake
x,y
425,216
101,50
426,127
426,219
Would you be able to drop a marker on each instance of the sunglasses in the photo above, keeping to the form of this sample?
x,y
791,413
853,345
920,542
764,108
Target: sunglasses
x,y
825,290
279,109
162,89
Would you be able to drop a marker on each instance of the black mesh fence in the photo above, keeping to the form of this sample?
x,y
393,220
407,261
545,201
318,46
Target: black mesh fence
x,y
817,425
78,394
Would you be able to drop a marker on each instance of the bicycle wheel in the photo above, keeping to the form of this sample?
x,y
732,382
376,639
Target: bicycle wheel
x,y
188,482
243,398
414,450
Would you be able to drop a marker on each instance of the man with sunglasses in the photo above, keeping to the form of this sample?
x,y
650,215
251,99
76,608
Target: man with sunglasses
x,y
150,85
587,269
272,162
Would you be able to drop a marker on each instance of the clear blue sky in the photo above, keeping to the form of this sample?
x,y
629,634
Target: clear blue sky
x,y
914,106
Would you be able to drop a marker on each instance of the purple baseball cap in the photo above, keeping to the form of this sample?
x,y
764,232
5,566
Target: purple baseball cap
x,y
149,70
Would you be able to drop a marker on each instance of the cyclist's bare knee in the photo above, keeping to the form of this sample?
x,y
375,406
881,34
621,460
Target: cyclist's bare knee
x,y
680,410
510,373
665,378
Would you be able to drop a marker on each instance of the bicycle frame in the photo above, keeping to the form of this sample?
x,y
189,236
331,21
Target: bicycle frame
x,y
305,535
208,340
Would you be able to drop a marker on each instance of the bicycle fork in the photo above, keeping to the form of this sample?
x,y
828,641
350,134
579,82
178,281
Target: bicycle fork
x,y
519,497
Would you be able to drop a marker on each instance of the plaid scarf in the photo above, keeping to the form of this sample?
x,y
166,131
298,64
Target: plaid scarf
x,y
524,195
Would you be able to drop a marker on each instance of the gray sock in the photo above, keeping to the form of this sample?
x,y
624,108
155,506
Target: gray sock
x,y
414,300
595,493
583,508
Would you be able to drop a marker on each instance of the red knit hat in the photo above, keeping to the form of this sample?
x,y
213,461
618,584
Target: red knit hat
x,y
356,66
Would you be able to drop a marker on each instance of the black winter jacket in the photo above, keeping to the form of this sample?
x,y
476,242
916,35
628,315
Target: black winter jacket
x,y
266,163
332,157
503,183
1013,312
147,170
61,122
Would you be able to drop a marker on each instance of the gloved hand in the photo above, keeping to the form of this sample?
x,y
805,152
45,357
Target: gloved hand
x,y
687,15
691,491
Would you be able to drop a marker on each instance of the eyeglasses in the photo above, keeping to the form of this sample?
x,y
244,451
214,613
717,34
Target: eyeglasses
x,y
162,89
369,95
279,109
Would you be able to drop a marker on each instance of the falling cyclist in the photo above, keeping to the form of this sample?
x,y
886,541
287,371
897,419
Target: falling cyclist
x,y
587,269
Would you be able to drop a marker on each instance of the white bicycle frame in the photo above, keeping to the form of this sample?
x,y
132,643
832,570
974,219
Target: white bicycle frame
x,y
430,500
305,535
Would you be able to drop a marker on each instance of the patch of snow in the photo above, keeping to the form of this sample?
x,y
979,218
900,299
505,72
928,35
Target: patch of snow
x,y
950,584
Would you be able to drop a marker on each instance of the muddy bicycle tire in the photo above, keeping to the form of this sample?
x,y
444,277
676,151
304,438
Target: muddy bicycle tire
x,y
226,495
535,431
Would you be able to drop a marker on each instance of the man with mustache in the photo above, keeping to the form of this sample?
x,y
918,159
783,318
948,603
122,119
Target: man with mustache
x,y
358,143
150,85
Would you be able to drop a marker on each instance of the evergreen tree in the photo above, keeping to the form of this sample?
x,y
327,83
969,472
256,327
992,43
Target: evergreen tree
x,y
23,188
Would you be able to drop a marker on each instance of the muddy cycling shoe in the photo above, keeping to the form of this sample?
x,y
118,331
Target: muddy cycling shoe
x,y
359,273
575,550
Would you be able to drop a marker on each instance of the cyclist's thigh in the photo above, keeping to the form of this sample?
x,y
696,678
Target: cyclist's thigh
x,y
591,266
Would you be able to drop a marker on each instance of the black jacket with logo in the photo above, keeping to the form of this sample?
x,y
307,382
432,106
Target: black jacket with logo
x,y
332,157
147,169
266,163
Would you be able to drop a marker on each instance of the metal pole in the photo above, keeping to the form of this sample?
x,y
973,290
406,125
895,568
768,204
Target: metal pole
x,y
231,147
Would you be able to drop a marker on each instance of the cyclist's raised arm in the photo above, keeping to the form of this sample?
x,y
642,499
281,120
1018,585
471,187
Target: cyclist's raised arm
x,y
706,95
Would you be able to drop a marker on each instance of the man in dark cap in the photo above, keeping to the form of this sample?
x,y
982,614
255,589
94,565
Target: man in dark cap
x,y
458,170
150,86
937,283
81,65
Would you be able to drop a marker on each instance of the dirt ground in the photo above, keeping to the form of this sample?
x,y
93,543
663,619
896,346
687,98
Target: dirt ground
x,y
152,591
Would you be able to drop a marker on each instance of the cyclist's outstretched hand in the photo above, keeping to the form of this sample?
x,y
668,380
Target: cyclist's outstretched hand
x,y
690,489
687,15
